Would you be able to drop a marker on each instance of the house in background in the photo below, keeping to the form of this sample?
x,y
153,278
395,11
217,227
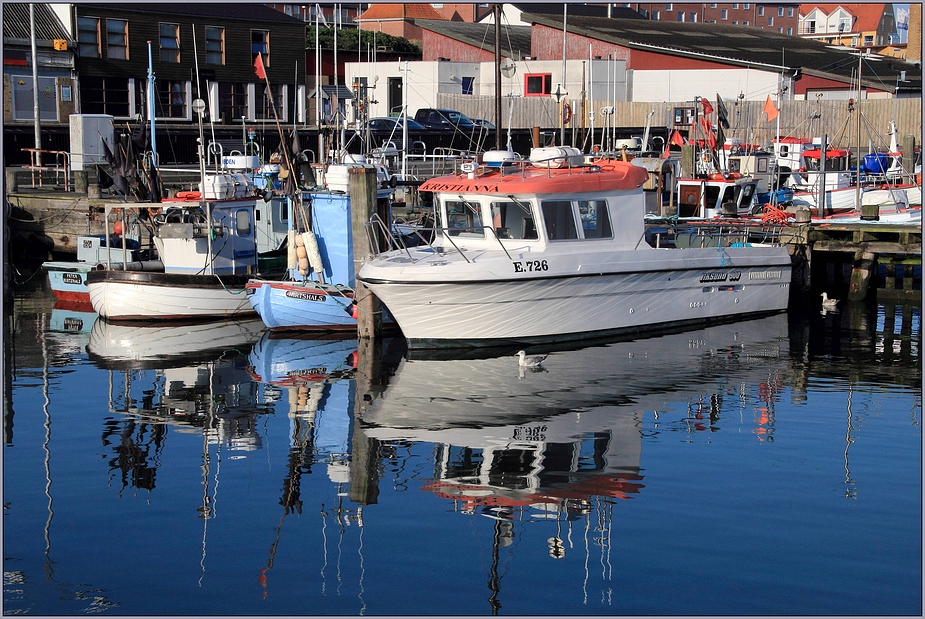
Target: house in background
x,y
851,25
398,19
327,14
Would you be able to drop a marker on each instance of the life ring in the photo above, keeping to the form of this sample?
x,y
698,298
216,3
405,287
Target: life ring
x,y
566,114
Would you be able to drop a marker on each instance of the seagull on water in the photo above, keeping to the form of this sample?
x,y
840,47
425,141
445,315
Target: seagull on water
x,y
828,303
532,361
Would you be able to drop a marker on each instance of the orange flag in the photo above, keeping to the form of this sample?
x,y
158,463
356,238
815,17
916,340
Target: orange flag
x,y
769,109
258,67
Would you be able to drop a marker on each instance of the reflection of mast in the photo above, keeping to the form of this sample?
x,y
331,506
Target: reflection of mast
x,y
851,491
302,442
49,571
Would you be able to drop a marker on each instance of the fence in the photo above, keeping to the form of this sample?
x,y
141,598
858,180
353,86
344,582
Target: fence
x,y
747,120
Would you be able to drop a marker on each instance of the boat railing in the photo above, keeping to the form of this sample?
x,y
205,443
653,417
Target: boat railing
x,y
62,165
711,235
376,230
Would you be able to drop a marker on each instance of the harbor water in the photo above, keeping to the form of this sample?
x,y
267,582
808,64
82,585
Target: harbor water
x,y
762,467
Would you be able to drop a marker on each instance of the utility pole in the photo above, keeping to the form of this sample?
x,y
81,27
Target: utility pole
x,y
35,89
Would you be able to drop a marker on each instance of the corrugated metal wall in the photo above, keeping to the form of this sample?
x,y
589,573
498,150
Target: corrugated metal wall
x,y
797,118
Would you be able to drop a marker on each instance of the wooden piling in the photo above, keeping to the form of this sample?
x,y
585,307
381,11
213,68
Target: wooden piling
x,y
362,187
864,263
364,460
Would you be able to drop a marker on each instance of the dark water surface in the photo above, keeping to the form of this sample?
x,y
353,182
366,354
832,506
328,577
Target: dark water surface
x,y
763,467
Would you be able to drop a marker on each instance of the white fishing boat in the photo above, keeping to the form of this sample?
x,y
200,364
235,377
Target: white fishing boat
x,y
557,249
207,253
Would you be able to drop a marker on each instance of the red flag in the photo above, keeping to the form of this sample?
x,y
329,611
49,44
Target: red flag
x,y
707,108
667,153
258,67
676,138
769,109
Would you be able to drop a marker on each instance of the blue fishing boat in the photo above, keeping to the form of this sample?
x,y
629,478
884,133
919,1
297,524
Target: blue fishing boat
x,y
318,291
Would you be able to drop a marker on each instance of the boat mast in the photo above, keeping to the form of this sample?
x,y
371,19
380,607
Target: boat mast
x,y
151,105
497,14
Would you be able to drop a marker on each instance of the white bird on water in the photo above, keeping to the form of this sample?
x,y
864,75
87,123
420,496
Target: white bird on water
x,y
532,361
828,303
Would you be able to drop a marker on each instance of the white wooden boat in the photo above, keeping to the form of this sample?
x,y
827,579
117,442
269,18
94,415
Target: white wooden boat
x,y
557,250
207,253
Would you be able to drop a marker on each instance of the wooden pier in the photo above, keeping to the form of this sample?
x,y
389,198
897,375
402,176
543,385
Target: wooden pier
x,y
872,258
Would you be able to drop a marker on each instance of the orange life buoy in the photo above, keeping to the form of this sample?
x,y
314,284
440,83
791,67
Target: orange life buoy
x,y
566,114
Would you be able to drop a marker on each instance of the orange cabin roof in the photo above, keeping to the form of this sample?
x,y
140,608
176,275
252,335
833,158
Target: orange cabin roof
x,y
604,176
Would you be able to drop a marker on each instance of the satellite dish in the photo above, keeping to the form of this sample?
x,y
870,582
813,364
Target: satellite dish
x,y
508,68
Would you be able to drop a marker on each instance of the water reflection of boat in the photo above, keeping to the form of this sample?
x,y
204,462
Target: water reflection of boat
x,y
549,454
312,358
70,323
134,346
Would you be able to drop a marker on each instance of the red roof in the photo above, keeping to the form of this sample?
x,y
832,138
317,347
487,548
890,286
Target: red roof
x,y
867,16
400,11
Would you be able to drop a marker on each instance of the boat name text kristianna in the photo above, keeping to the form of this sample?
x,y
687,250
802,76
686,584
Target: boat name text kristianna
x,y
526,266
305,296
720,276
432,186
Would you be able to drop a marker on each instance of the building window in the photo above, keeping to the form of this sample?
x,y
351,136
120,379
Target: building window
x,y
770,21
215,45
809,27
723,15
171,95
745,23
790,31
760,10
105,95
680,15
693,17
88,37
735,5
668,7
117,39
712,5
170,42
868,39
780,11
790,11
537,84
656,15
779,29
746,6
260,44
467,83
232,101
735,22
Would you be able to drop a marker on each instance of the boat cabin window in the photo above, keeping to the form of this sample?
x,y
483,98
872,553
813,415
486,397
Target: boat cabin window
x,y
242,220
464,218
559,220
595,220
513,220
712,195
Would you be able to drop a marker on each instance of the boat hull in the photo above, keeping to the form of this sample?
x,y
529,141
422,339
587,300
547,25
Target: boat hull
x,y
646,290
68,280
298,305
128,295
